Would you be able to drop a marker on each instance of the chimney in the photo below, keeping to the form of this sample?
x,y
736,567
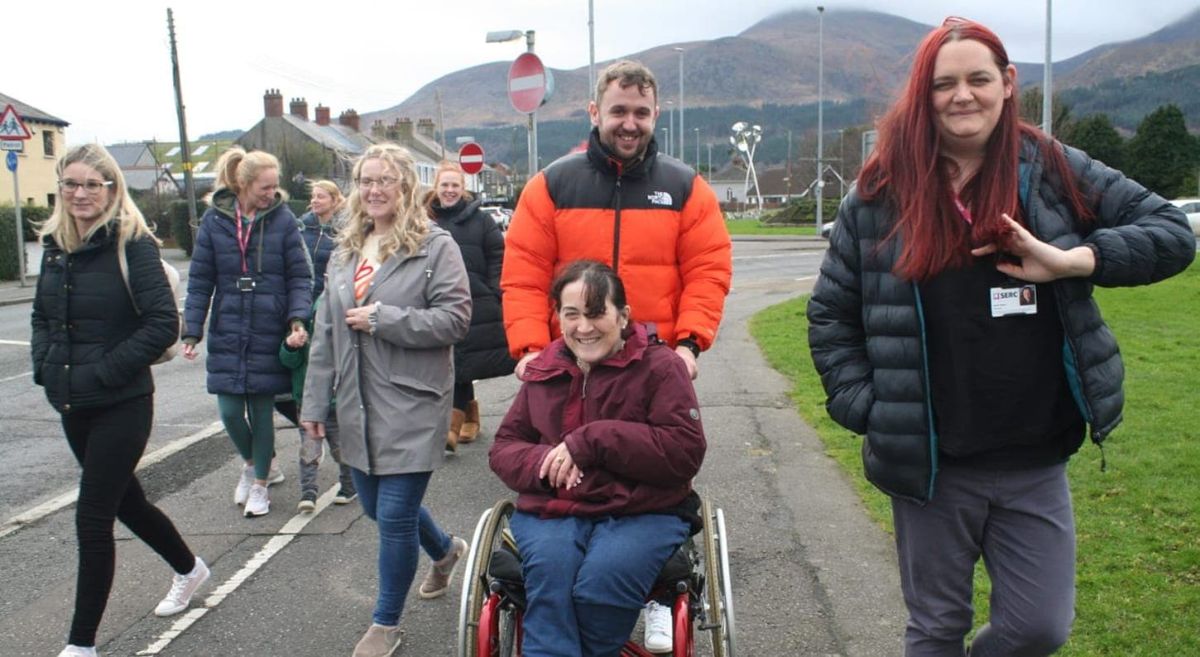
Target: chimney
x,y
425,128
349,118
378,131
299,108
404,129
322,113
272,104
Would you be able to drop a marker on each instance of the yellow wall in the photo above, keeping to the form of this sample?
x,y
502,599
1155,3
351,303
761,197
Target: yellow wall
x,y
35,168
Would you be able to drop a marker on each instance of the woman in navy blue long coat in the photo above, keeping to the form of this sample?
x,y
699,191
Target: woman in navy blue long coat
x,y
251,265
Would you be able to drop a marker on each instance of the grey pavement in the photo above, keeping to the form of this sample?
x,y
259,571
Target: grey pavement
x,y
812,574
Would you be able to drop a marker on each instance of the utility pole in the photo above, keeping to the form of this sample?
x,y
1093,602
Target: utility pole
x,y
820,114
1047,75
185,148
682,132
591,52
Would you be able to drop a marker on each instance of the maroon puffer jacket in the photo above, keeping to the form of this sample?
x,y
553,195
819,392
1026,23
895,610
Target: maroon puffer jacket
x,y
632,425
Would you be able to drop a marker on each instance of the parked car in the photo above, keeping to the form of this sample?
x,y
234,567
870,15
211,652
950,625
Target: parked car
x,y
826,229
1190,207
498,214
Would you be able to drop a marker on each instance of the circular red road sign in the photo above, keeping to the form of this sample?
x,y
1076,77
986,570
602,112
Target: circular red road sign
x,y
470,157
526,83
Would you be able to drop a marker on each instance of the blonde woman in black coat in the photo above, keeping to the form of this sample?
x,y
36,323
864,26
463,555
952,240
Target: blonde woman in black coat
x,y
95,335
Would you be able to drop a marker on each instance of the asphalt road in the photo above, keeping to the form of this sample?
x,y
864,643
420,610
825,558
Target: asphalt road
x,y
812,576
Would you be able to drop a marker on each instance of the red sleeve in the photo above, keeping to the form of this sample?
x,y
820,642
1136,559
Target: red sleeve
x,y
705,265
530,251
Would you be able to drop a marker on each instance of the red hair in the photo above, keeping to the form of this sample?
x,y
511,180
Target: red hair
x,y
908,170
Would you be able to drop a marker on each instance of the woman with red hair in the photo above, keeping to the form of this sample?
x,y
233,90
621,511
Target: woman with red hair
x,y
972,402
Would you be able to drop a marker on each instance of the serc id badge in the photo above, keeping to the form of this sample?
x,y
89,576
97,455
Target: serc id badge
x,y
1008,301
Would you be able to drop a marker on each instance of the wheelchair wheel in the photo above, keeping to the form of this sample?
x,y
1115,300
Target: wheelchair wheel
x,y
717,582
475,590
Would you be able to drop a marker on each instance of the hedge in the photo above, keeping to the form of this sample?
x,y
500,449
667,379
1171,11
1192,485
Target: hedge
x,y
804,212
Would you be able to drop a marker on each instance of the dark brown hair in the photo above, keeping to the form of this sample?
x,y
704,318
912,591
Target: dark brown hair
x,y
600,284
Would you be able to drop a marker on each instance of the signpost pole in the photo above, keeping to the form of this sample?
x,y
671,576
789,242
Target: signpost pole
x,y
20,229
533,136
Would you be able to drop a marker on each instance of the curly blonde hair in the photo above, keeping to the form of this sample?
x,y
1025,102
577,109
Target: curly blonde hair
x,y
412,223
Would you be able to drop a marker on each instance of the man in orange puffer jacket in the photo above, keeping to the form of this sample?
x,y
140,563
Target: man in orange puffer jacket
x,y
648,215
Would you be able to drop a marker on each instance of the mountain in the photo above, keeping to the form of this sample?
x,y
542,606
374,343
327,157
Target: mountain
x,y
767,74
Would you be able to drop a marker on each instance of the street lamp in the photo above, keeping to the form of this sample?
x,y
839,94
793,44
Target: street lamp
x,y
1047,77
671,134
820,114
502,36
682,132
697,131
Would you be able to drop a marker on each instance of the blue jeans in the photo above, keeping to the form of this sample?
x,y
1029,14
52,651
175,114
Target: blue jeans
x,y
394,503
586,579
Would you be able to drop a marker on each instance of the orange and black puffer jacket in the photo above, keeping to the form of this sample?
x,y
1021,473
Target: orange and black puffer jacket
x,y
657,223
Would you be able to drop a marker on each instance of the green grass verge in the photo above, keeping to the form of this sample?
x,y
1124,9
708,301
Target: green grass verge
x,y
756,227
1138,524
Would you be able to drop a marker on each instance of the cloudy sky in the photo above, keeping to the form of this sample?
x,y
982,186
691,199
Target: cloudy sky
x,y
105,66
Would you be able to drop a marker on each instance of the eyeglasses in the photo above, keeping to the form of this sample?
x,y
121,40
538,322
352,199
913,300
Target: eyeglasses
x,y
91,186
381,183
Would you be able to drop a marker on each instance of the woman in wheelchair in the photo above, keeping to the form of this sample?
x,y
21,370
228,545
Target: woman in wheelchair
x,y
601,445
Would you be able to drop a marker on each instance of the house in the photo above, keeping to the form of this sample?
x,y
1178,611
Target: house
x,y
142,169
36,176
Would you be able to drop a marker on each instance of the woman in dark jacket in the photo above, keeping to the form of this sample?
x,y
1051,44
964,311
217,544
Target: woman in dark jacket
x,y
601,445
972,401
250,263
483,354
318,227
93,344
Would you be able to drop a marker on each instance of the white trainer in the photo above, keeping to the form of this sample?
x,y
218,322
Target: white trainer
x,y
258,503
658,628
243,487
79,651
183,587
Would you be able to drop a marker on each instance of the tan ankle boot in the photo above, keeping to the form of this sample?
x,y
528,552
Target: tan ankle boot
x,y
452,437
470,425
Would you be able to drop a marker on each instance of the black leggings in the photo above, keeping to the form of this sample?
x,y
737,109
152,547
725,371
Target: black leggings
x,y
108,443
464,392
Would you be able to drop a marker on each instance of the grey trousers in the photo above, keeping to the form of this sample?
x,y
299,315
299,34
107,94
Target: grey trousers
x,y
1021,523
308,471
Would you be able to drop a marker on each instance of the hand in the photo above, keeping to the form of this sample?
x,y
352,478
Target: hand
x,y
1040,262
359,318
520,370
189,351
297,338
314,429
560,469
689,360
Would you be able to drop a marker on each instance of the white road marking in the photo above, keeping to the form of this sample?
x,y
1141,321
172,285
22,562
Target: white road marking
x,y
66,499
16,376
282,538
16,343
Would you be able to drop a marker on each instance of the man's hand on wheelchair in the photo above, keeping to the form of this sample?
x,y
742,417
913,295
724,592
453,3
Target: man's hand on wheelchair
x,y
559,468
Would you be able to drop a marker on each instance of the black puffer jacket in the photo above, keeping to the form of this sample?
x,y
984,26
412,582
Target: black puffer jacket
x,y
866,327
90,345
483,354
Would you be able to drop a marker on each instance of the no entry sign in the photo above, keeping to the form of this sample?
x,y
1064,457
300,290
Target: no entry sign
x,y
526,83
470,157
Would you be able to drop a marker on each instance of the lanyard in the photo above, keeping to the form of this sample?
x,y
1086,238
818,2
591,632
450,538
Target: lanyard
x,y
963,210
243,241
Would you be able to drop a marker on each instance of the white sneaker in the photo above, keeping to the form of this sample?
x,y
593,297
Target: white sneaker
x,y
79,651
658,628
258,503
183,587
243,487
275,475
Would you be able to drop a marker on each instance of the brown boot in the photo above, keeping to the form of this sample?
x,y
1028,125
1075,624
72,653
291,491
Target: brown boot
x,y
456,422
470,425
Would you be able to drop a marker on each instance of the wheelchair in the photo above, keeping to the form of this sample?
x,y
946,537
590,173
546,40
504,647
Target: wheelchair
x,y
696,577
